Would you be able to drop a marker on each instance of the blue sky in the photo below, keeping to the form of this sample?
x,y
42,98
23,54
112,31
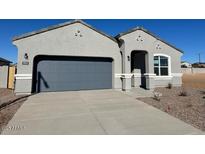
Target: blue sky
x,y
187,35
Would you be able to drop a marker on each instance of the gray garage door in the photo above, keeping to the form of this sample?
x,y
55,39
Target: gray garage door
x,y
73,73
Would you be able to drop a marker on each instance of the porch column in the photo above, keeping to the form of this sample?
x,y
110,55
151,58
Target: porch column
x,y
137,79
126,75
149,75
126,82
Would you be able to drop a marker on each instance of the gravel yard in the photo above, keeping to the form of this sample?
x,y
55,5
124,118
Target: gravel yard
x,y
9,104
190,108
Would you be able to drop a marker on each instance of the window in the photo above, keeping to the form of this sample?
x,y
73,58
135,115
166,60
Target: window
x,y
161,66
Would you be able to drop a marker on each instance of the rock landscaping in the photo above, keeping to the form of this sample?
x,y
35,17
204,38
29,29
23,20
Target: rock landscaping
x,y
185,103
9,104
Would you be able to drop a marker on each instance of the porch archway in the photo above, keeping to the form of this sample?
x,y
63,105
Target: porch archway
x,y
138,65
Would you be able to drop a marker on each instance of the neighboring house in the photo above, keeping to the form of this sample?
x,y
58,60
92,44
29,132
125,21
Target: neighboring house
x,y
7,72
185,64
75,56
198,65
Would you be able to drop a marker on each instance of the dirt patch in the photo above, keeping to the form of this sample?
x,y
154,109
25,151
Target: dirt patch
x,y
189,108
9,104
7,95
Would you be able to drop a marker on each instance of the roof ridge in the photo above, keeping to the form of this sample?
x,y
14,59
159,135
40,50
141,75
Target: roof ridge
x,y
42,30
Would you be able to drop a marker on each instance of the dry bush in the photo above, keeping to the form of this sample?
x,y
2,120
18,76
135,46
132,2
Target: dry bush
x,y
189,105
202,92
169,86
157,96
183,92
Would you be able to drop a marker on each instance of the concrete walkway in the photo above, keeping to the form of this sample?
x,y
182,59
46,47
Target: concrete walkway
x,y
92,112
140,92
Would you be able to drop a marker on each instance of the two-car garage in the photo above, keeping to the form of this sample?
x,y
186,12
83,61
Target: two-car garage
x,y
62,73
67,57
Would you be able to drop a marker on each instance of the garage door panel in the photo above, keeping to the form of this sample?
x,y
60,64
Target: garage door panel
x,y
73,73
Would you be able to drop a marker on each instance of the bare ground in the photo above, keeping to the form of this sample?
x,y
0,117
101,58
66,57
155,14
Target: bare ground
x,y
9,104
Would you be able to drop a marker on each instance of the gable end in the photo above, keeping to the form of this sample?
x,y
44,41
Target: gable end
x,y
59,26
148,32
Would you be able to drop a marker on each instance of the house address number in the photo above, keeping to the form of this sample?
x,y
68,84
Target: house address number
x,y
25,63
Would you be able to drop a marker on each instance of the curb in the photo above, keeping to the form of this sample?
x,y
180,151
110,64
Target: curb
x,y
5,104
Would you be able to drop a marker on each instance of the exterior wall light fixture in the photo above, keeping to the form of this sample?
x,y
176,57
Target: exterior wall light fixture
x,y
128,58
26,56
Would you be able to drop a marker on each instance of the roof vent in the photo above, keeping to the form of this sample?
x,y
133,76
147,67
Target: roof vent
x,y
139,38
158,46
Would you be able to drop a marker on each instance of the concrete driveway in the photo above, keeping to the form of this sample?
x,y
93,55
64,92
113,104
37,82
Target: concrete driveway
x,y
92,112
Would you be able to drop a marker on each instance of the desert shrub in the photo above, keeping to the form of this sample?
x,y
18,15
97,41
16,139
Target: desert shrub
x,y
157,96
183,92
202,92
168,109
169,86
189,105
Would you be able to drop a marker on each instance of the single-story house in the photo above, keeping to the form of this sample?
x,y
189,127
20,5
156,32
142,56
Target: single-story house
x,y
7,72
76,56
185,64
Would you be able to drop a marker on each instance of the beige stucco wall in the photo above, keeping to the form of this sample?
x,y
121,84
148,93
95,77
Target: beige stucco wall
x,y
63,41
78,39
4,76
149,44
140,40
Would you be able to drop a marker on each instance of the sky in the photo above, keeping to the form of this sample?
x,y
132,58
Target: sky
x,y
187,35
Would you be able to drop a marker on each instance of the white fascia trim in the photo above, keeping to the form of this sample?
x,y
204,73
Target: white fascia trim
x,y
163,77
149,74
118,75
137,74
23,76
123,75
177,74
